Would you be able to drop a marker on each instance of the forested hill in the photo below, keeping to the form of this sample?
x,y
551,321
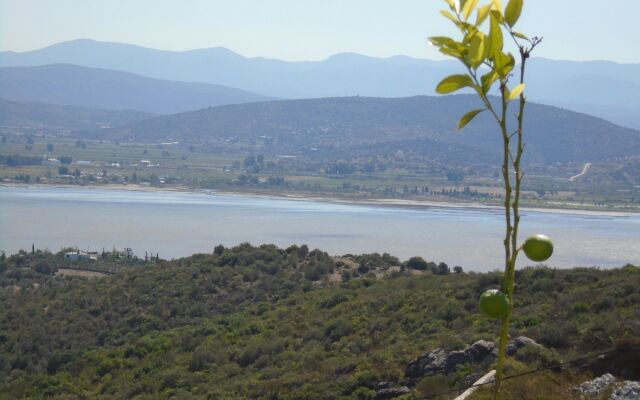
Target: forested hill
x,y
263,322
53,118
423,124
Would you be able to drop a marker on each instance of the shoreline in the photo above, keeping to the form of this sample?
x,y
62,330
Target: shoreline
x,y
371,202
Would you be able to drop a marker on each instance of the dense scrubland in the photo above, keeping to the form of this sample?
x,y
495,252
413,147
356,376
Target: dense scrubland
x,y
265,322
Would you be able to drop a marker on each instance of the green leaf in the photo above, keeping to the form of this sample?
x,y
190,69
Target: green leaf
x,y
440,41
487,80
520,35
468,117
483,13
513,11
450,16
516,91
452,4
454,82
468,8
497,5
495,36
477,50
503,63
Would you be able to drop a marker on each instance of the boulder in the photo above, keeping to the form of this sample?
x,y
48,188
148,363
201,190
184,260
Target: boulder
x,y
479,350
439,362
454,359
514,345
596,386
628,391
427,364
391,393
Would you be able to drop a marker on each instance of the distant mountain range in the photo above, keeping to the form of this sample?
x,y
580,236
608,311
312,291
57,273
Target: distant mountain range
x,y
605,89
66,84
353,126
39,118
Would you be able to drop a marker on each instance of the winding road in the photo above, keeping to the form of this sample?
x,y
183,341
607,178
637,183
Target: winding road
x,y
585,169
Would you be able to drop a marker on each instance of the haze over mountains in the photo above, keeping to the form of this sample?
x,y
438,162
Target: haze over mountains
x,y
605,89
353,126
106,89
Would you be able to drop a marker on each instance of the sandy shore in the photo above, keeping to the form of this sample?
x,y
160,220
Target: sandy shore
x,y
376,202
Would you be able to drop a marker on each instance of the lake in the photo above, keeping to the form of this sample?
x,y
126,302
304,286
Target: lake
x,y
178,224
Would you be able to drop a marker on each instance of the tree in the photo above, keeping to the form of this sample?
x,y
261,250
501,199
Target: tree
x,y
443,269
63,170
49,147
487,65
417,263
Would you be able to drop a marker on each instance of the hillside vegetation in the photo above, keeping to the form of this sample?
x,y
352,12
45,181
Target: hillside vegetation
x,y
361,126
45,118
264,322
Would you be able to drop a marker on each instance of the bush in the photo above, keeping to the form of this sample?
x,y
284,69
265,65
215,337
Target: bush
x,y
537,356
558,336
201,359
334,300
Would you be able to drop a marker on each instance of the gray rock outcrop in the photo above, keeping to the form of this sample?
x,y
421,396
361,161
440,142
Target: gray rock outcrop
x,y
439,362
628,391
597,385
391,393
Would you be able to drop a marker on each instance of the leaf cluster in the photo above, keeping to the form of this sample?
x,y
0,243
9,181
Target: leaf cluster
x,y
483,52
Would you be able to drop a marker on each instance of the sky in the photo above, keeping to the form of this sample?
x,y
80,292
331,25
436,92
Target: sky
x,y
298,30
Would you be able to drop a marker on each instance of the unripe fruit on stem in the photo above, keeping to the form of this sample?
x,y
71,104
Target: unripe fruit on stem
x,y
538,248
494,304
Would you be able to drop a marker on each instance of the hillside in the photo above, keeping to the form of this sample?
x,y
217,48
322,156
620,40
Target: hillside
x,y
248,322
99,88
347,127
26,117
605,89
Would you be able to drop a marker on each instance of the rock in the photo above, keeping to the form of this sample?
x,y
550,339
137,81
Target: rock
x,y
628,391
391,393
522,341
479,350
427,364
597,385
454,359
514,345
439,362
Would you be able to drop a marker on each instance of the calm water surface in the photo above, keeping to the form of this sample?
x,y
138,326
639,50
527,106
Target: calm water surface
x,y
179,224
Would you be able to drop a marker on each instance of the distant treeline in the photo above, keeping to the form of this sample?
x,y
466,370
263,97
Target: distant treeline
x,y
16,160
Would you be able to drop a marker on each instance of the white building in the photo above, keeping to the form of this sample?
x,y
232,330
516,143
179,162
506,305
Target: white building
x,y
80,256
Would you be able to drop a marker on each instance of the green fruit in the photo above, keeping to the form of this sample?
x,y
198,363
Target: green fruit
x,y
538,248
494,304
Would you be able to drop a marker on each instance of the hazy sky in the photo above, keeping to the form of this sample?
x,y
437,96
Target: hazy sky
x,y
311,30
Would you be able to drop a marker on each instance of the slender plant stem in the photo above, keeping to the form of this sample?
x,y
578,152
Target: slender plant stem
x,y
512,216
508,251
